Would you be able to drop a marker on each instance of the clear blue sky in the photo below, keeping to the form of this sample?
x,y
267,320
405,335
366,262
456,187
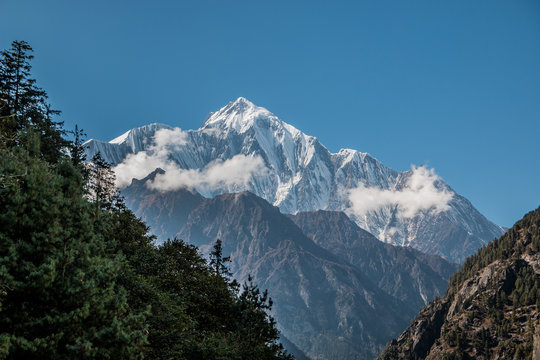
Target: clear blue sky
x,y
451,84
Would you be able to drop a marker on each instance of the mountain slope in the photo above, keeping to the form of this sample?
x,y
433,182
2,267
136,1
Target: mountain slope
x,y
164,212
491,308
300,174
403,272
320,292
327,308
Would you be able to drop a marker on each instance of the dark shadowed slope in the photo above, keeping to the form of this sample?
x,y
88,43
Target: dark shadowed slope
x,y
164,212
333,288
403,272
326,307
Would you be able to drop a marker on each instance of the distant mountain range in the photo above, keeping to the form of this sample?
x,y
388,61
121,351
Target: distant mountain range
x,y
339,292
245,147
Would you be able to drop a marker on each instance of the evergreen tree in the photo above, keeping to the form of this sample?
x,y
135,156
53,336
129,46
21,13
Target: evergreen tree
x,y
8,126
101,183
218,262
16,87
76,150
168,324
60,294
257,333
25,104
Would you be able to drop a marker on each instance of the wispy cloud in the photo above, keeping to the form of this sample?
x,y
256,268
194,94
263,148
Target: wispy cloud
x,y
420,193
144,162
234,172
231,173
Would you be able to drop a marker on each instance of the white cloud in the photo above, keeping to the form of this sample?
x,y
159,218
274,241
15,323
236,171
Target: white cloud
x,y
169,139
418,194
144,162
234,172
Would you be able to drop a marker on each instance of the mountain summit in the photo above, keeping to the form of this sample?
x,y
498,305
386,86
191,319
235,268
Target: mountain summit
x,y
238,115
246,147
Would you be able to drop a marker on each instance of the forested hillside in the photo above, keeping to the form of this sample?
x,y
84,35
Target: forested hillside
x,y
490,310
79,276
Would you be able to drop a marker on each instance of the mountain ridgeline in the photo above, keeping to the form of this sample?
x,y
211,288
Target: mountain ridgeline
x,y
402,272
340,292
297,173
491,308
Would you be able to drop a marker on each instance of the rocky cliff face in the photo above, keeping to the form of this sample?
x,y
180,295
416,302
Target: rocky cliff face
x,y
491,308
298,173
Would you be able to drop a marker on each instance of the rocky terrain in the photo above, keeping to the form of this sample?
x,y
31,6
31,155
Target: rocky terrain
x,y
402,272
490,310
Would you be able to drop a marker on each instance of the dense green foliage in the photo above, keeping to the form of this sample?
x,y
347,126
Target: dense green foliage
x,y
79,274
507,246
60,293
23,105
491,307
516,291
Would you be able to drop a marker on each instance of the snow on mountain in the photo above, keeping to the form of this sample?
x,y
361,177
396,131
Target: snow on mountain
x,y
414,208
132,141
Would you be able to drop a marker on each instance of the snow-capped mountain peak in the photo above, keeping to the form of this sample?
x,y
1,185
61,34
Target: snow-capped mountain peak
x,y
239,115
120,139
302,175
242,115
130,142
133,135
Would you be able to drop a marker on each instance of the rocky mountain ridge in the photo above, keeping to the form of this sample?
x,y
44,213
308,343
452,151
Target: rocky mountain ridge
x,y
490,310
403,272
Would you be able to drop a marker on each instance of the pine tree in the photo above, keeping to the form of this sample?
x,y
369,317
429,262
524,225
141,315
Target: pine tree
x,y
8,125
168,324
257,333
59,288
101,183
25,104
77,154
16,87
218,263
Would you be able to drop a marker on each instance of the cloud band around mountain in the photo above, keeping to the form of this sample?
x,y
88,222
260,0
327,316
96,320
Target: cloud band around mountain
x,y
233,173
420,193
